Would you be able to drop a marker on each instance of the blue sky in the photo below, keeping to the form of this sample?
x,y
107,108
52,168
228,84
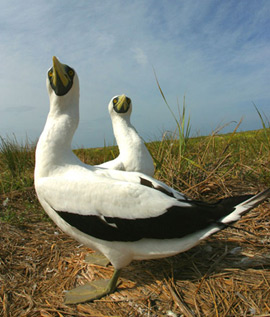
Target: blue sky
x,y
215,53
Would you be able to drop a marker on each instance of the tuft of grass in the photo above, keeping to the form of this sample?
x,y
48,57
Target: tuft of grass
x,y
182,123
17,157
173,144
16,164
265,121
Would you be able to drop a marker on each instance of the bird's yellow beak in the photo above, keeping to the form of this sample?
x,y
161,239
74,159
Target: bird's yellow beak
x,y
122,104
59,69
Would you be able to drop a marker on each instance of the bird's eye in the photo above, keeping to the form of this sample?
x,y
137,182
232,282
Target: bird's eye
x,y
70,72
115,101
50,73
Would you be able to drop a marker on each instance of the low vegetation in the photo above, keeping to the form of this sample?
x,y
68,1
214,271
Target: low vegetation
x,y
228,275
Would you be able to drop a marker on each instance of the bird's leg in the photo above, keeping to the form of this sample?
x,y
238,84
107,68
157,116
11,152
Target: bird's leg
x,y
96,258
113,282
93,290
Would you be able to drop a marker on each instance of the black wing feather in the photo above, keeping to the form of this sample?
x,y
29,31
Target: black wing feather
x,y
176,222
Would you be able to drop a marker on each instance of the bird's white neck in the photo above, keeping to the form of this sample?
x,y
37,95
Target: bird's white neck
x,y
54,145
126,136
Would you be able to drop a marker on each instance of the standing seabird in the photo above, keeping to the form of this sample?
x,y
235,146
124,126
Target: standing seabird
x,y
133,154
125,215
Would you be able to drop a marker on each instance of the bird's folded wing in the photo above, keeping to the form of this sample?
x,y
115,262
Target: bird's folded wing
x,y
122,211
104,197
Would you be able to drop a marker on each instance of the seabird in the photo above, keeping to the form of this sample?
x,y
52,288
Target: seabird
x,y
125,215
133,154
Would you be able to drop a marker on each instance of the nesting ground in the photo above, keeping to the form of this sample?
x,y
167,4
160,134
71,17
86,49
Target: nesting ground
x,y
227,275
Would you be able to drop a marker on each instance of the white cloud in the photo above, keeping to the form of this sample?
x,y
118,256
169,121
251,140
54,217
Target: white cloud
x,y
140,56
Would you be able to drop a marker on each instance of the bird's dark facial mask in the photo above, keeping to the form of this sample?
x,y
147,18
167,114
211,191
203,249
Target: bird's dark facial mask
x,y
61,78
121,104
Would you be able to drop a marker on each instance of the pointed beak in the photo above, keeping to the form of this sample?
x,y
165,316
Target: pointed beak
x,y
58,69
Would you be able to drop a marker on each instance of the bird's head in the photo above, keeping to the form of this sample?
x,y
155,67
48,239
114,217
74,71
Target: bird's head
x,y
120,105
62,81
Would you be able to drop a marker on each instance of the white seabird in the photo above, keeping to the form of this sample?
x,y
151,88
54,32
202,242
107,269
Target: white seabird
x,y
125,215
133,154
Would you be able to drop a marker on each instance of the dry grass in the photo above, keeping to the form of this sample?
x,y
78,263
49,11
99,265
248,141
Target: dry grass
x,y
227,275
